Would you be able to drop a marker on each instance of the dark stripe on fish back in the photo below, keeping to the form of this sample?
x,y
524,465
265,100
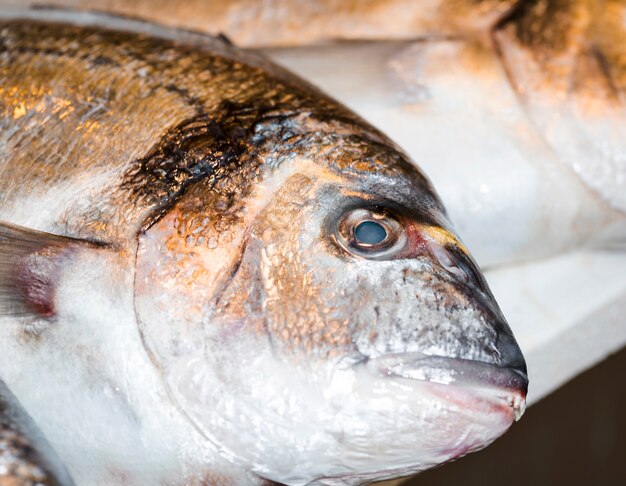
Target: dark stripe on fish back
x,y
246,141
198,148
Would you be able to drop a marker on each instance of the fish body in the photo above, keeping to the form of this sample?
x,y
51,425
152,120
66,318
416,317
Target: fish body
x,y
212,273
521,121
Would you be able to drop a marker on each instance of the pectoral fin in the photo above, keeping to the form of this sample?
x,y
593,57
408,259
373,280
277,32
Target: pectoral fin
x,y
29,263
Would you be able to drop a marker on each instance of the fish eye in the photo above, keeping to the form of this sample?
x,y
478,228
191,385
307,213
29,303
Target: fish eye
x,y
370,233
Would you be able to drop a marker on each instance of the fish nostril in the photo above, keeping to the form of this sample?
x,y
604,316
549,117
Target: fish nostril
x,y
445,259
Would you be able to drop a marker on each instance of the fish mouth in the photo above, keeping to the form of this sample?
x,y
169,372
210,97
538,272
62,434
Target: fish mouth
x,y
459,380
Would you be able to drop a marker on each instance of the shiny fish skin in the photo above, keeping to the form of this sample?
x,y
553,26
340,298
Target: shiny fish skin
x,y
98,98
203,321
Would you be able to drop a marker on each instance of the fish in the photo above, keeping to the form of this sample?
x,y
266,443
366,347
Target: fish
x,y
213,273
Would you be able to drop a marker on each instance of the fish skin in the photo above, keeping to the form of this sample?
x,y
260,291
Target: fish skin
x,y
81,102
182,141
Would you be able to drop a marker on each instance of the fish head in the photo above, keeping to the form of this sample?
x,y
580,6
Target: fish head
x,y
317,319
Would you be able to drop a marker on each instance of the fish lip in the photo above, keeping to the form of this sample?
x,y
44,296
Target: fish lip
x,y
509,384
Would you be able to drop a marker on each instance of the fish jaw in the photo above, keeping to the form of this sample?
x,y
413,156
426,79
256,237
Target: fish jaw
x,y
471,405
507,383
344,422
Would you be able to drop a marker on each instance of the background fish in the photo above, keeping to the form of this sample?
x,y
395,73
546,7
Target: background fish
x,y
211,273
302,22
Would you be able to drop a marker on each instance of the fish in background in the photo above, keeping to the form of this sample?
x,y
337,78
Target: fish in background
x,y
519,121
213,273
250,23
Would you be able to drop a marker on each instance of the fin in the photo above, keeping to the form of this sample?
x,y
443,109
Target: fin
x,y
29,261
26,456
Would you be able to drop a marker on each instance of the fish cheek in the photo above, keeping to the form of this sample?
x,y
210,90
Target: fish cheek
x,y
210,271
280,284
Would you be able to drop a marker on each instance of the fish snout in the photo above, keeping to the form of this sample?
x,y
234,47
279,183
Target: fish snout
x,y
510,353
470,285
474,385
505,365
441,324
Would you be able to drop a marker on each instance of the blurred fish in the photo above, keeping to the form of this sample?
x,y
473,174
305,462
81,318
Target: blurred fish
x,y
302,22
212,273
26,458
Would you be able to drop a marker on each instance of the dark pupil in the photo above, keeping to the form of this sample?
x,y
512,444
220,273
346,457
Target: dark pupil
x,y
370,233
